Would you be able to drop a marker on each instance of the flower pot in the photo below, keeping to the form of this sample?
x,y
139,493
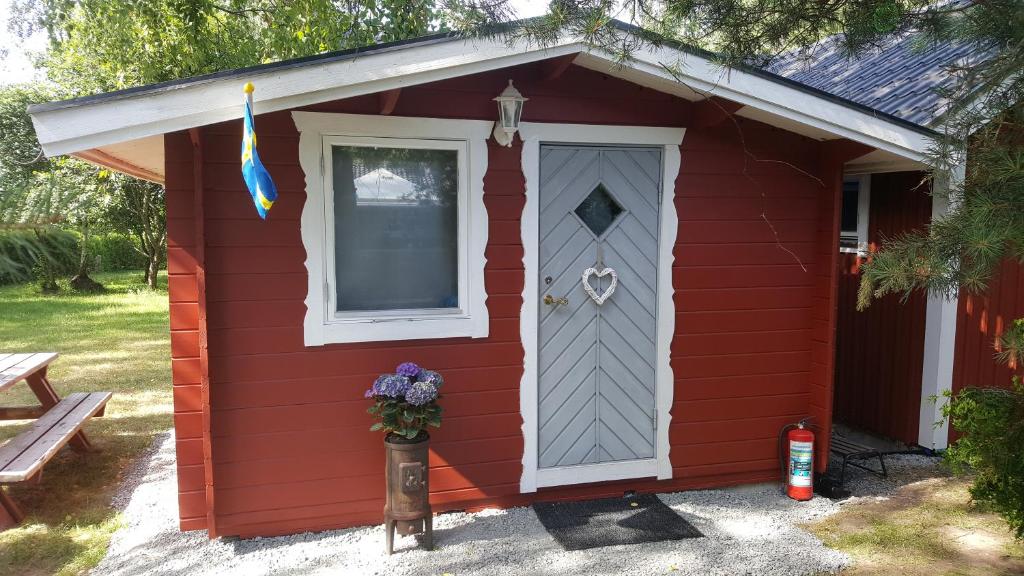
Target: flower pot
x,y
407,477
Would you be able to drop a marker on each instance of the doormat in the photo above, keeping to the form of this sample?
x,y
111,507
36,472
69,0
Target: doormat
x,y
613,522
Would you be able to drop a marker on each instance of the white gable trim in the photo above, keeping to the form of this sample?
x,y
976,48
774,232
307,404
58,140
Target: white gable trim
x,y
85,126
650,68
67,130
533,134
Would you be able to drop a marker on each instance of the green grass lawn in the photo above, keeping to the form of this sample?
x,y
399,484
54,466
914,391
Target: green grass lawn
x,y
117,341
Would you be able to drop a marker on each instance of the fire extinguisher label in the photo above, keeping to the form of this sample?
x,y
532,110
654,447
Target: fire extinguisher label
x,y
801,455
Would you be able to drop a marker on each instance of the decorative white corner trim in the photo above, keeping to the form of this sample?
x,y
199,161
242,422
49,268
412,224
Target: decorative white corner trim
x,y
666,304
533,134
530,312
939,339
320,325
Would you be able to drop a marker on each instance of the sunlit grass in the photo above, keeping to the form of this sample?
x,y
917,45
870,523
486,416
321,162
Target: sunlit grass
x,y
116,341
929,527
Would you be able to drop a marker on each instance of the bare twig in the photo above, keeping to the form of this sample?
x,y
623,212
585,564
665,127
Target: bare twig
x,y
748,155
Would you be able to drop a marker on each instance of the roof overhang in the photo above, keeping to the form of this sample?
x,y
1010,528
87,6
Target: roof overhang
x,y
122,130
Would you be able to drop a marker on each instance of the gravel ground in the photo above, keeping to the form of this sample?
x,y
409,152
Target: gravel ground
x,y
749,530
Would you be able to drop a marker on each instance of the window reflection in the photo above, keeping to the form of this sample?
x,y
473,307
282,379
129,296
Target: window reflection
x,y
396,228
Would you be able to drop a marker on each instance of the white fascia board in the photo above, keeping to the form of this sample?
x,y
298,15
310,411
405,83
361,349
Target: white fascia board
x,y
696,74
93,125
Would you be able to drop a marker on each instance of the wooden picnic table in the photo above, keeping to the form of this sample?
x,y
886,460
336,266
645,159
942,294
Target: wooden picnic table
x,y
57,422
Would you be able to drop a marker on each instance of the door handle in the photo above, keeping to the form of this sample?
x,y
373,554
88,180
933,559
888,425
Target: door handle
x,y
552,301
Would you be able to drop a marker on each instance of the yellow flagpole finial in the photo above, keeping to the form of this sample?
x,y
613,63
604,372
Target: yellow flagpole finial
x,y
248,88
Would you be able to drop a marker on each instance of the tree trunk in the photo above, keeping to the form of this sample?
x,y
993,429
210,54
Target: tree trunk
x,y
83,252
47,276
81,280
152,269
45,269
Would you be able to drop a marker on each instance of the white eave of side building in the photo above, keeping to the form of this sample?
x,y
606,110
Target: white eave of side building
x,y
124,130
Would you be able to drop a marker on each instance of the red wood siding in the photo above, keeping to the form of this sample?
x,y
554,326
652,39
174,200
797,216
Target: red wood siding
x,y
183,287
879,352
744,303
832,155
983,318
980,320
291,449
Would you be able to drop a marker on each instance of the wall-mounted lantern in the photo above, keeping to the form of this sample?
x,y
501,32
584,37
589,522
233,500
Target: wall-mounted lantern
x,y
510,110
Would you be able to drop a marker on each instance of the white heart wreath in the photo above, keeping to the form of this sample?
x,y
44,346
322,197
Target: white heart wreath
x,y
590,290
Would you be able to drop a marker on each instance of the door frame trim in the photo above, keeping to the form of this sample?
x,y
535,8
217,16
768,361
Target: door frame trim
x,y
533,135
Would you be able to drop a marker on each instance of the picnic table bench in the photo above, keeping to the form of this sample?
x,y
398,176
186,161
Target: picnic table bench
x,y
58,422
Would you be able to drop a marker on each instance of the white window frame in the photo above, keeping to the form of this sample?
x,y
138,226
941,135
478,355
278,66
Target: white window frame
x,y
863,210
318,134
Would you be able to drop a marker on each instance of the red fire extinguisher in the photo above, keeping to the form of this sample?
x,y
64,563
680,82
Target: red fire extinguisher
x,y
799,460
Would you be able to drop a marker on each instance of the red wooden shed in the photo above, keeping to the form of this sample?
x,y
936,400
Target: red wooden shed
x,y
403,231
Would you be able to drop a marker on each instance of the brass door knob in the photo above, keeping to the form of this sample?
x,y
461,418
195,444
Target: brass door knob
x,y
552,301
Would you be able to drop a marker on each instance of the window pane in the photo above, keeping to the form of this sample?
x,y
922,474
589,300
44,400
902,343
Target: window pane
x,y
598,210
848,220
395,228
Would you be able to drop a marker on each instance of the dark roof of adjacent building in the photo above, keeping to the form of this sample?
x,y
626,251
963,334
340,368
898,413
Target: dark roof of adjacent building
x,y
902,77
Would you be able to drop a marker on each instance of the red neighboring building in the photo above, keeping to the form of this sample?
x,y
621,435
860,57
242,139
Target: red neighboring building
x,y
403,231
892,358
880,352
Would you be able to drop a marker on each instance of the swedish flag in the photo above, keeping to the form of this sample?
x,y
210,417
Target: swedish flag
x,y
261,186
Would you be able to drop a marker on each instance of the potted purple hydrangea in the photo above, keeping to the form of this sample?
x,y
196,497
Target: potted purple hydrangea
x,y
406,404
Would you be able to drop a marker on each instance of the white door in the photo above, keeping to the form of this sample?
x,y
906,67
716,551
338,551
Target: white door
x,y
599,211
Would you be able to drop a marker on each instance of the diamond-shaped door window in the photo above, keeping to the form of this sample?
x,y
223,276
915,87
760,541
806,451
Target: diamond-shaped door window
x,y
598,210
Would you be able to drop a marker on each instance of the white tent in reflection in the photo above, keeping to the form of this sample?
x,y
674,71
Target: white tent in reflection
x,y
383,187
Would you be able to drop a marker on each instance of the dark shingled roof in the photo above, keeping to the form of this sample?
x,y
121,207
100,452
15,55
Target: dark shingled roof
x,y
899,77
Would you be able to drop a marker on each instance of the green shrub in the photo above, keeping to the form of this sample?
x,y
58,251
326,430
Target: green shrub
x,y
992,447
116,251
50,253
24,253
